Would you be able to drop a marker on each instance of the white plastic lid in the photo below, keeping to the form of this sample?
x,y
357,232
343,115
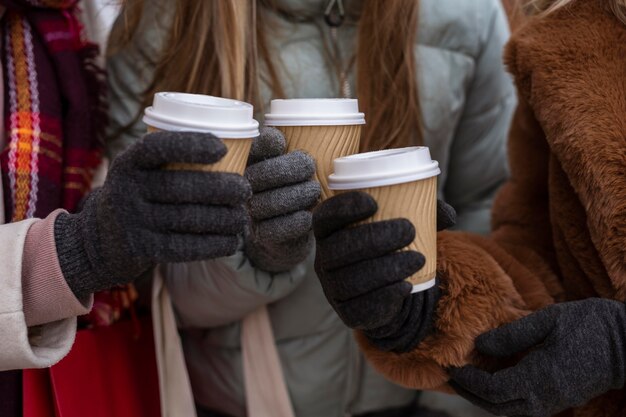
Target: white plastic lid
x,y
314,112
382,168
423,286
225,118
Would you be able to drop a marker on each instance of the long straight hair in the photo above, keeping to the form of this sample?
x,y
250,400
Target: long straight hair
x,y
545,7
219,47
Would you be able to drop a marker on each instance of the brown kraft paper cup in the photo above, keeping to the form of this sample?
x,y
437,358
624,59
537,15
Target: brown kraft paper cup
x,y
417,202
325,128
404,184
324,144
230,120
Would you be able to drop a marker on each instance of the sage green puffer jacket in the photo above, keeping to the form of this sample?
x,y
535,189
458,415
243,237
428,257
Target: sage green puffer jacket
x,y
467,101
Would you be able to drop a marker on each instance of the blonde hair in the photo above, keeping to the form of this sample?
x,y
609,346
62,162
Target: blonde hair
x,y
386,74
219,47
545,7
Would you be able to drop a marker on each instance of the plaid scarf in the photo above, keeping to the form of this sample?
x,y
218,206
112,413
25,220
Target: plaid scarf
x,y
54,108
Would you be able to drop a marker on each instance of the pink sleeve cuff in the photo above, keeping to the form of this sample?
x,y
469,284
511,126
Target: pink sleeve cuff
x,y
46,295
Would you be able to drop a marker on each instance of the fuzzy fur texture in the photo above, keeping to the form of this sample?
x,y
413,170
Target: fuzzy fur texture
x,y
484,298
570,69
560,222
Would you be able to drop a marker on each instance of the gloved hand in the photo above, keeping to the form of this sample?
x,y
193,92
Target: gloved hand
x,y
283,193
145,214
577,353
363,273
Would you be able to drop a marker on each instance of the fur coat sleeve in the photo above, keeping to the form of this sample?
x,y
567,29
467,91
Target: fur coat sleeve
x,y
560,221
487,281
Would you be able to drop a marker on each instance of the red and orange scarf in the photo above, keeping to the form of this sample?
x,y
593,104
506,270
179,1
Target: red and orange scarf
x,y
55,116
54,119
54,108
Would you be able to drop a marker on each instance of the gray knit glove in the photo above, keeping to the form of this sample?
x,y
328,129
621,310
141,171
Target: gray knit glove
x,y
577,352
363,273
283,193
144,214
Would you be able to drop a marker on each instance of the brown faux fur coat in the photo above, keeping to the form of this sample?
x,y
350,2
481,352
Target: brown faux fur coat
x,y
560,222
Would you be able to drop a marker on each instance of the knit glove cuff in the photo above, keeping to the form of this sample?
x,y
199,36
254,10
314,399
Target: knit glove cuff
x,y
79,247
414,322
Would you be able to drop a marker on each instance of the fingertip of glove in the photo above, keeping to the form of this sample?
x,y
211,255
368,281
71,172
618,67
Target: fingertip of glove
x,y
341,210
305,157
163,147
209,147
364,202
446,215
484,341
415,260
357,203
453,372
303,161
231,246
236,187
270,143
403,229
186,139
313,190
494,343
407,287
272,134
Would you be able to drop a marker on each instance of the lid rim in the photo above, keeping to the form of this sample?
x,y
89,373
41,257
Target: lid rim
x,y
150,114
424,285
329,116
335,122
226,118
432,167
314,111
339,185
383,168
250,133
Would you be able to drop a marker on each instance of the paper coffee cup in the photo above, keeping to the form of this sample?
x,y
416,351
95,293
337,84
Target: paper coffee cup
x,y
325,128
230,120
404,184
